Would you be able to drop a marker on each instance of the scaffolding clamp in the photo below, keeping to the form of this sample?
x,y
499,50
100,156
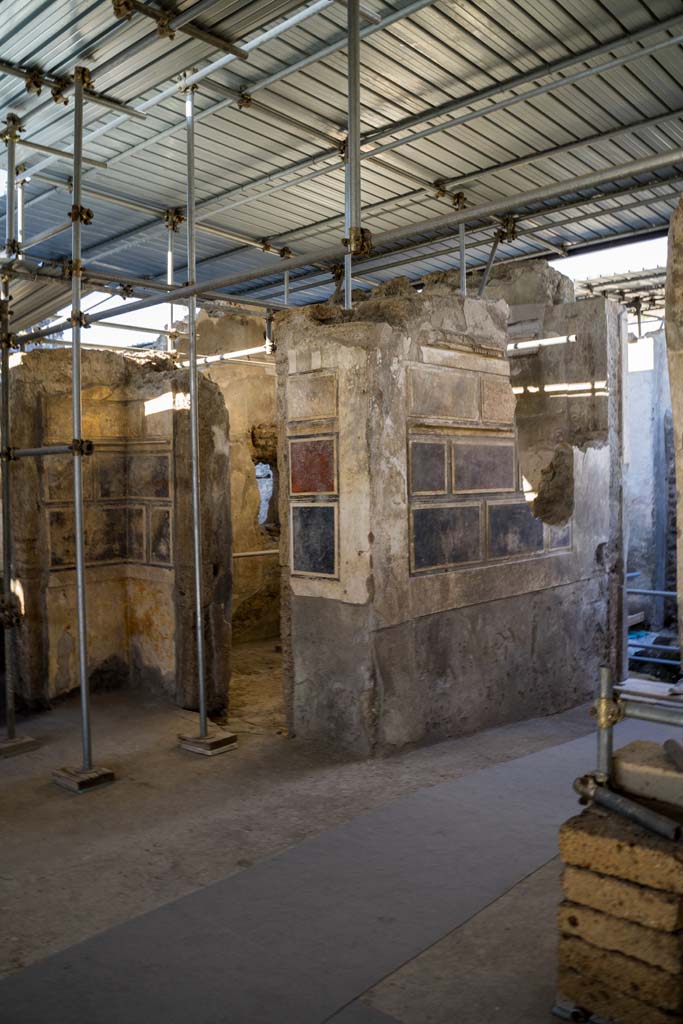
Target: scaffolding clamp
x,y
174,217
58,90
459,200
245,99
34,81
13,127
81,447
507,232
607,712
12,247
359,242
343,147
82,214
123,9
83,75
440,188
79,319
285,252
163,20
10,611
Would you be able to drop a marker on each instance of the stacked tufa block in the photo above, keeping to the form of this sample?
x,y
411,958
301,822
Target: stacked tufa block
x,y
621,921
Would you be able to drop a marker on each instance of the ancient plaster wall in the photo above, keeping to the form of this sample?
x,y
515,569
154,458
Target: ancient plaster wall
x,y
249,394
674,345
421,598
650,514
138,542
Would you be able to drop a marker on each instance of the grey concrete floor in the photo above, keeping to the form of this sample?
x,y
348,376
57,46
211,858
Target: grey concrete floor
x,y
173,822
498,968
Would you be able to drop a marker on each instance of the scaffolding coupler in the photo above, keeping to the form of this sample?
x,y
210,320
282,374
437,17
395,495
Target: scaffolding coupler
x,y
79,446
81,213
359,242
173,217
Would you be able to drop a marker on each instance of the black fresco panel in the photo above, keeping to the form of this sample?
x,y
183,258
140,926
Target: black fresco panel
x,y
560,536
161,535
427,467
314,539
446,535
484,467
513,530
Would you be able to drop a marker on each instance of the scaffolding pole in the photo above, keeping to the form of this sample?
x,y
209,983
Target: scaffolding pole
x,y
353,182
206,742
11,611
87,776
169,278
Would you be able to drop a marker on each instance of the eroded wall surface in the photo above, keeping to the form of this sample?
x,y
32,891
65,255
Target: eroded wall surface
x,y
249,394
138,542
674,345
650,505
421,597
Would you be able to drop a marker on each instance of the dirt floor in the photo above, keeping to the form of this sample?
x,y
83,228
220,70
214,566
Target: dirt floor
x,y
71,866
256,688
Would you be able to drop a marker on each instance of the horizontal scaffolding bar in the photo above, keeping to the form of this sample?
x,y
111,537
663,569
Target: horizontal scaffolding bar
x,y
661,714
45,236
50,449
652,647
255,554
62,154
654,661
64,87
653,593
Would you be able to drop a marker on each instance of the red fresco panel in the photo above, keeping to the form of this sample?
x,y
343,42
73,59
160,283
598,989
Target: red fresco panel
x,y
312,469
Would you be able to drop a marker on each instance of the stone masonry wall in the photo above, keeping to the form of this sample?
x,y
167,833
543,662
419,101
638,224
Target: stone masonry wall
x,y
421,597
138,541
249,394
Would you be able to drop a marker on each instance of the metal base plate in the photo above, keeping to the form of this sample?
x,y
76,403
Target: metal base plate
x,y
76,780
17,745
567,1011
214,743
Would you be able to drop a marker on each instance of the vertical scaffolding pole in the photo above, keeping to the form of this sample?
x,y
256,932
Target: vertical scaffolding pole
x,y
463,261
21,185
286,288
354,233
87,776
489,265
605,708
11,744
169,280
204,743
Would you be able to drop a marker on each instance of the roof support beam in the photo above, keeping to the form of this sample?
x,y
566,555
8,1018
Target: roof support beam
x,y
240,196
236,197
507,204
164,19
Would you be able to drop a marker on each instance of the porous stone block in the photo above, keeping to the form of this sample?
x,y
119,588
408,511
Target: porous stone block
x,y
594,995
612,845
639,903
625,974
661,949
642,769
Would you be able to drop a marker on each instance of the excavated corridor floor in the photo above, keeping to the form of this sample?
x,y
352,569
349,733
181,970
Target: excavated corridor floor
x,y
173,823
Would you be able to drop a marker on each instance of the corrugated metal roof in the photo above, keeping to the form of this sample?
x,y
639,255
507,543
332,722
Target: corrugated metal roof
x,y
444,51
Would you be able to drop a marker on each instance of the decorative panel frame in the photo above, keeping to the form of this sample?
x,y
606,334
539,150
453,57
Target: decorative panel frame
x,y
297,507
301,440
471,507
